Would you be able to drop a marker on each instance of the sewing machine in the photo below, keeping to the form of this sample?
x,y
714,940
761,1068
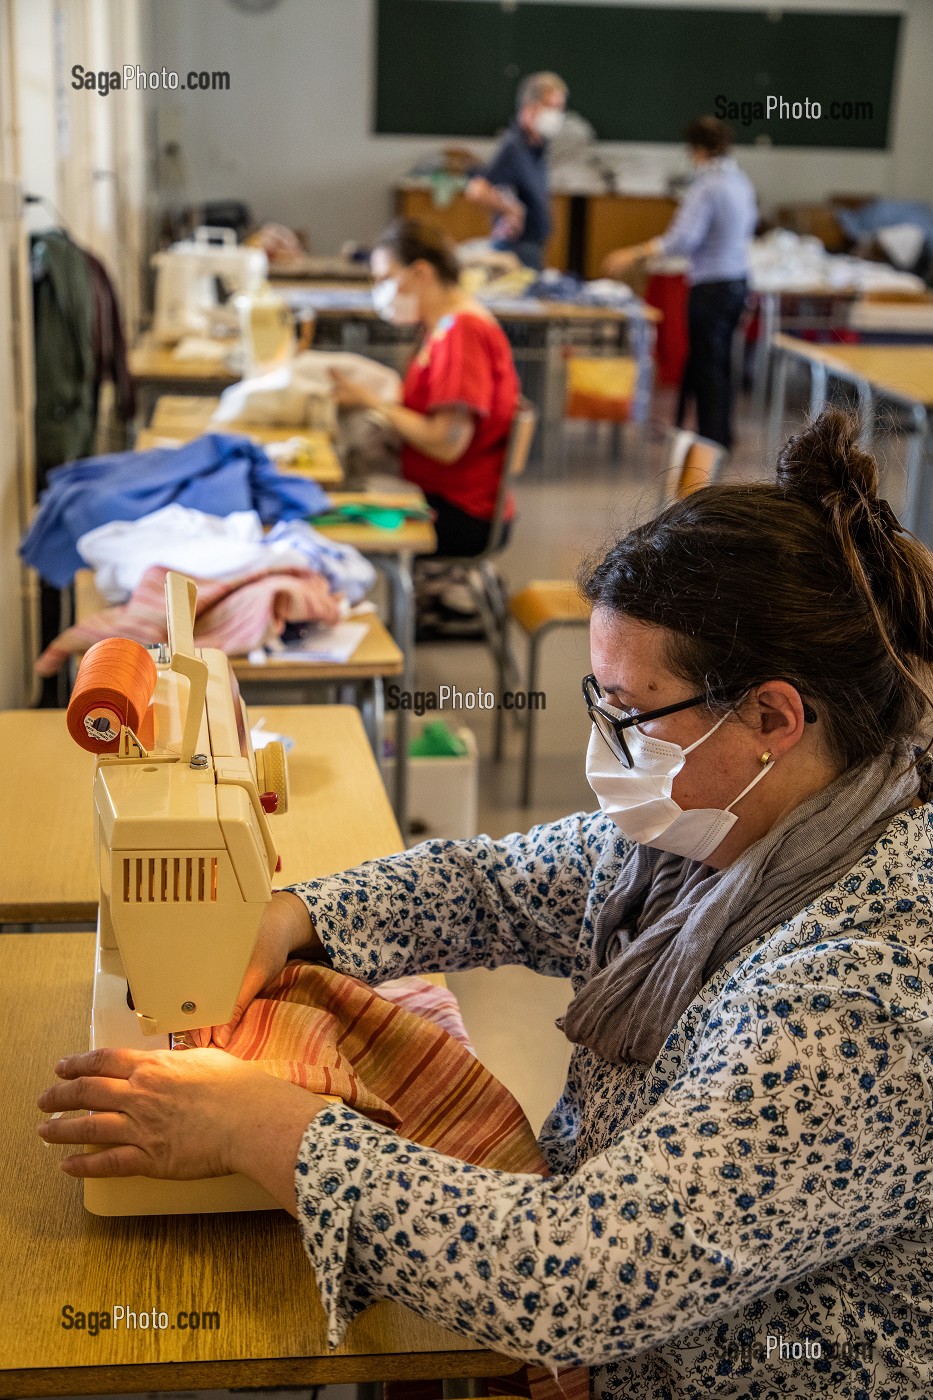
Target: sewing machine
x,y
186,860
197,280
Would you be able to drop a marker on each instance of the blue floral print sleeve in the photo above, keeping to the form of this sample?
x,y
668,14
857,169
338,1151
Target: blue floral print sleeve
x,y
796,1134
452,905
749,1216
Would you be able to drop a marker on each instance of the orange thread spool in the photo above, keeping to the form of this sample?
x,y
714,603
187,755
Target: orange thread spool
x,y
114,686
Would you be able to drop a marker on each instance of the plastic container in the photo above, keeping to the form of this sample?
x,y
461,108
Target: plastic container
x,y
443,792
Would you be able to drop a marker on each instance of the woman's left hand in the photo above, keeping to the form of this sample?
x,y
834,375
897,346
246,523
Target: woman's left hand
x,y
348,394
178,1114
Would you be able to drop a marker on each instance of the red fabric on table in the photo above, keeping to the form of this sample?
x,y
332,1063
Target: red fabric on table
x,y
668,293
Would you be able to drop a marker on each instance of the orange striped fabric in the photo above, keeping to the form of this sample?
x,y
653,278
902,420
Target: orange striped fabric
x,y
335,1035
400,1054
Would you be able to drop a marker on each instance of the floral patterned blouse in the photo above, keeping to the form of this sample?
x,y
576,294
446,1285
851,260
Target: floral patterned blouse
x,y
748,1216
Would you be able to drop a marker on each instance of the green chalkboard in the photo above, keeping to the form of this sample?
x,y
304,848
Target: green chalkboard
x,y
450,68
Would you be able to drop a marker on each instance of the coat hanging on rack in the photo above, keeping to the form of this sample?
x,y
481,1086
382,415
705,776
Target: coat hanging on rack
x,y
63,330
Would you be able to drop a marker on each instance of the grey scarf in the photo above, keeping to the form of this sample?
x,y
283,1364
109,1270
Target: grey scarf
x,y
668,924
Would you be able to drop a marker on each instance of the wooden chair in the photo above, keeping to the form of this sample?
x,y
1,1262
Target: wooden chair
x,y
538,609
484,583
690,462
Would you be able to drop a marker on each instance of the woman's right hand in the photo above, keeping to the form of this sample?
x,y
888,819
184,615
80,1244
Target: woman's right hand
x,y
285,927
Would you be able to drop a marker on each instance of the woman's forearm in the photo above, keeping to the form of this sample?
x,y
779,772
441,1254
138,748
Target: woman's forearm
x,y
443,436
297,925
269,1136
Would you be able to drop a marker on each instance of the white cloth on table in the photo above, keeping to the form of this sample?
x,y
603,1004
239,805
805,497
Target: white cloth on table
x,y
293,395
218,547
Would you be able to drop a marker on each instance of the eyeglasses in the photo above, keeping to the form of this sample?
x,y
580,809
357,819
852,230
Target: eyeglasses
x,y
612,723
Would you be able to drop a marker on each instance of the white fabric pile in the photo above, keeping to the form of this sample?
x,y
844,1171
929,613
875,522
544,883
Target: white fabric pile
x,y
218,547
785,261
300,394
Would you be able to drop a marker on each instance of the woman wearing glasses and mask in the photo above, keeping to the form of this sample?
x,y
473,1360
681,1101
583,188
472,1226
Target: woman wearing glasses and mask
x,y
740,1190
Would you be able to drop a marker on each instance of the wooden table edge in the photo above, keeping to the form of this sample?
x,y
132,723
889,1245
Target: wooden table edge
x,y
51,913
330,672
264,1372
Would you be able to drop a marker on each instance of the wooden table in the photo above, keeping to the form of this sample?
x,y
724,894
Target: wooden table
x,y
393,552
541,334
247,1269
152,363
339,813
156,367
318,268
792,306
178,418
620,220
898,374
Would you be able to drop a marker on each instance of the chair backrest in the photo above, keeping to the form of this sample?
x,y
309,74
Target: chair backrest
x,y
690,462
521,435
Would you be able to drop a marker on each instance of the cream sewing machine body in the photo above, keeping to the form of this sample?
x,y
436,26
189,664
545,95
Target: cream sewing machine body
x,y
186,861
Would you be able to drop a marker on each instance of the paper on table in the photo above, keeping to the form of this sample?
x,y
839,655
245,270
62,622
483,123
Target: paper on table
x,y
335,644
262,736
202,347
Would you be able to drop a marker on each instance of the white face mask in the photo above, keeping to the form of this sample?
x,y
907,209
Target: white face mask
x,y
639,799
548,122
398,308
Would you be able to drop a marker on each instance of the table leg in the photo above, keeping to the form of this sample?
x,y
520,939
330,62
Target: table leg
x,y
768,325
817,388
866,414
916,512
552,401
778,401
373,711
397,569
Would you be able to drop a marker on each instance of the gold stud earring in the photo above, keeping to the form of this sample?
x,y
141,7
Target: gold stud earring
x,y
766,758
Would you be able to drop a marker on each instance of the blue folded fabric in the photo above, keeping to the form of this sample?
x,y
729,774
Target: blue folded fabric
x,y
882,213
219,473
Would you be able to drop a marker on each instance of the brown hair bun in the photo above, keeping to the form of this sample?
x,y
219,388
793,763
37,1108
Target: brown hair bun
x,y
810,579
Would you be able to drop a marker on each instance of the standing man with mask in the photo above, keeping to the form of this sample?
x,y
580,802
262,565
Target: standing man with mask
x,y
713,228
514,185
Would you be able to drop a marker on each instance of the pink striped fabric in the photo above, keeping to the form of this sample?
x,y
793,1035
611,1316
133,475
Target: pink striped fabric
x,y
234,615
401,1067
400,1054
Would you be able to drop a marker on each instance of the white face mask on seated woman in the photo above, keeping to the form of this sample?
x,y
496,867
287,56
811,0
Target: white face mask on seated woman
x,y
639,801
398,308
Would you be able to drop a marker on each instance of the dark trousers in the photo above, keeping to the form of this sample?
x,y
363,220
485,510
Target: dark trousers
x,y
458,534
713,312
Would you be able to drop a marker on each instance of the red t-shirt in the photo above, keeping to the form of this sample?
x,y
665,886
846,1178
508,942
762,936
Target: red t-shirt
x,y
465,363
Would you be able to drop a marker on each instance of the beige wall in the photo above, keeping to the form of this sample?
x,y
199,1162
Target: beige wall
x,y
15,387
85,157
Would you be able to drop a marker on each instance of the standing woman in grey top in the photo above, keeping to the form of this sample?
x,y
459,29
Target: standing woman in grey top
x,y
712,228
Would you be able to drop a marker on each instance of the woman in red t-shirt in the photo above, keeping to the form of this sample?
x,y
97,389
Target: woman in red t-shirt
x,y
461,389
